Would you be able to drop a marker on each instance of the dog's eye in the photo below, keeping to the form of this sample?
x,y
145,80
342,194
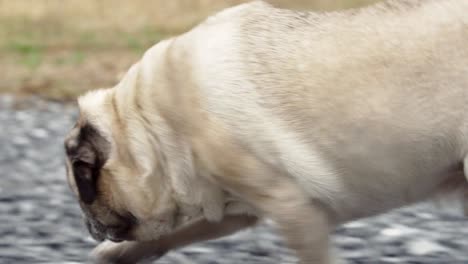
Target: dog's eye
x,y
79,162
85,175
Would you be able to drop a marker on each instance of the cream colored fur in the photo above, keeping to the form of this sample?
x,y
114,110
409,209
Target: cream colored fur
x,y
310,119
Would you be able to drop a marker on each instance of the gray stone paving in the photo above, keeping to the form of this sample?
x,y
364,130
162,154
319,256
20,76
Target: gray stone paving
x,y
40,220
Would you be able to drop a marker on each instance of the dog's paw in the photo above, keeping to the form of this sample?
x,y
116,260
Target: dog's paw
x,y
109,253
125,253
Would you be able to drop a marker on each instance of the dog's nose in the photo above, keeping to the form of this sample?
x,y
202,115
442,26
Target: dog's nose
x,y
96,232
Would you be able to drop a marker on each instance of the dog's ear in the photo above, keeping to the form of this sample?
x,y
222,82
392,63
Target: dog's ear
x,y
87,152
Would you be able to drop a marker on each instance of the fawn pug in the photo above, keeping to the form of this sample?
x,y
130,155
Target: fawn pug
x,y
308,119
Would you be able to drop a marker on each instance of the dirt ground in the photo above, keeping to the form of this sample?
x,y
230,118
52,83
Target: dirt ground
x,y
58,49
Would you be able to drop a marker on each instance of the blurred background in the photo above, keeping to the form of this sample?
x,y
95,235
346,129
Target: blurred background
x,y
59,48
53,50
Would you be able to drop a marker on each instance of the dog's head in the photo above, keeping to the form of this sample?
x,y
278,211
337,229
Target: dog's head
x,y
120,198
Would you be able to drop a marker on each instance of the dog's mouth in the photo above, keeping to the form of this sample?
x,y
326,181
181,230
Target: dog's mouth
x,y
132,229
115,233
110,233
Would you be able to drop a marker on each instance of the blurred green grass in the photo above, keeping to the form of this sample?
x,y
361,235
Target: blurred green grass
x,y
58,49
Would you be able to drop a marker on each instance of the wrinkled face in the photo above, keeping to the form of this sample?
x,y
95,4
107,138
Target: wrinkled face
x,y
116,205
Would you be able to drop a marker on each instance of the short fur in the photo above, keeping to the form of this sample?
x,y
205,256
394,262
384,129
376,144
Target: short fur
x,y
310,119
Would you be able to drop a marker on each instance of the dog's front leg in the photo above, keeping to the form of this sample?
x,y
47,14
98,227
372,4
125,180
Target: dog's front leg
x,y
135,252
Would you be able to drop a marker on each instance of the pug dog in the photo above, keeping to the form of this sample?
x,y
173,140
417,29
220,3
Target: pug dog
x,y
308,119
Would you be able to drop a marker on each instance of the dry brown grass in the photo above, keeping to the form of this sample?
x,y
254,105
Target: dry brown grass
x,y
60,48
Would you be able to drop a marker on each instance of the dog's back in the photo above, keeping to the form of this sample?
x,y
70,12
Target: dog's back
x,y
362,102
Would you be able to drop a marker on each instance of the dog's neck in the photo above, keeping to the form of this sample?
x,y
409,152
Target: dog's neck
x,y
192,191
193,194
